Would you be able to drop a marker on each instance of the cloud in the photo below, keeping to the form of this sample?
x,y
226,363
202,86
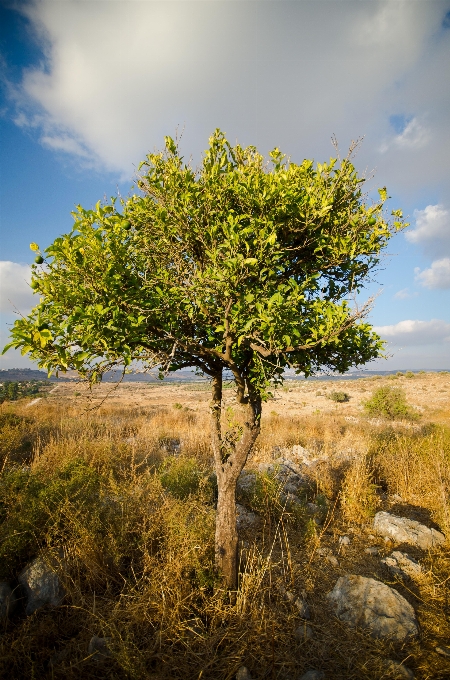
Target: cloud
x,y
432,230
415,332
404,294
117,76
15,291
437,276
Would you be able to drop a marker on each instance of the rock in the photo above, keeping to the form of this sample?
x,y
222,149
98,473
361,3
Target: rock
x,y
99,648
404,530
303,608
443,650
401,564
246,481
397,671
243,674
304,632
313,675
42,586
303,456
371,550
323,552
367,603
287,472
245,519
8,600
344,540
332,560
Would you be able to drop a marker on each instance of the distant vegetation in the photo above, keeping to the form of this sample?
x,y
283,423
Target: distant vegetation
x,y
12,390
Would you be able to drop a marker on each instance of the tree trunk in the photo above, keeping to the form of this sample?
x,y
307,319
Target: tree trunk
x,y
229,461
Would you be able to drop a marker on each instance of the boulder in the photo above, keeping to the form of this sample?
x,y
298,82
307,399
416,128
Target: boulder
x,y
366,603
42,586
404,530
401,564
8,600
246,481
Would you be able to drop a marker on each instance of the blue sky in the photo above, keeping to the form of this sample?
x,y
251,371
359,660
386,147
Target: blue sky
x,y
88,88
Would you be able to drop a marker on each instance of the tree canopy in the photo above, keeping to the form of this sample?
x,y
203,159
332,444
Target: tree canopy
x,y
240,264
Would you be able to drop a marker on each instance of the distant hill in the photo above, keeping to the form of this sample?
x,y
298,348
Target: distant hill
x,y
27,374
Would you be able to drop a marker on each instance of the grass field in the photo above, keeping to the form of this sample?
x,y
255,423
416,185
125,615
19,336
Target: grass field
x,y
115,487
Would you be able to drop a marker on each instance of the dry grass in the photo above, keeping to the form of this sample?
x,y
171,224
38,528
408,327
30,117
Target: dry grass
x,y
122,499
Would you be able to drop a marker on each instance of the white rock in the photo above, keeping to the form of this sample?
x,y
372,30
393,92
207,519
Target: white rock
x,y
344,540
313,675
443,650
366,603
401,564
372,550
7,600
332,560
404,530
42,586
243,674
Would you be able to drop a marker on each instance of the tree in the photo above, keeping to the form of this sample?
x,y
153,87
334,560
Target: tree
x,y
240,265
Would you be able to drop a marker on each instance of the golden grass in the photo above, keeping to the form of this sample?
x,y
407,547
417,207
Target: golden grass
x,y
130,522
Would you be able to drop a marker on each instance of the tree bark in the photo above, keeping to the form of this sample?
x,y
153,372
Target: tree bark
x,y
229,461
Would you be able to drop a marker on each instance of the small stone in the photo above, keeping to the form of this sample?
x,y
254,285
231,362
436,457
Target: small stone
x,y
332,560
371,537
443,650
371,550
243,674
42,586
303,608
304,632
367,603
401,564
397,671
323,552
8,600
344,540
99,648
313,675
404,530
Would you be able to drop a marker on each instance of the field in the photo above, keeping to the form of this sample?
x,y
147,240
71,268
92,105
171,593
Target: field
x,y
115,488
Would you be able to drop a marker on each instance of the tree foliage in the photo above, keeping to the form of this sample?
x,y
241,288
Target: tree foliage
x,y
240,264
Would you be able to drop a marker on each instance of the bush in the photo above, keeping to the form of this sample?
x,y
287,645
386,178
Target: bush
x,y
339,397
409,374
181,476
390,403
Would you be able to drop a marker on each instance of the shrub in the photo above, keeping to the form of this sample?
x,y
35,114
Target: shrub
x,y
359,498
409,374
339,397
181,476
389,402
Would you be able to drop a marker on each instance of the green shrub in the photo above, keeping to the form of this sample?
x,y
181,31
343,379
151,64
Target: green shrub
x,y
389,402
409,374
181,476
339,397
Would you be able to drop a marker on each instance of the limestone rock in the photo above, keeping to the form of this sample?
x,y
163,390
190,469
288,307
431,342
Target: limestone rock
x,y
367,603
372,550
404,530
245,519
99,648
344,541
42,586
401,564
246,481
7,600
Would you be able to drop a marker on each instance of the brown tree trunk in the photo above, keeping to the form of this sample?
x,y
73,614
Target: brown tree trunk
x,y
229,461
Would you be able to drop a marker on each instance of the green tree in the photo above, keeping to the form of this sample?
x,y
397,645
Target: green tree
x,y
240,265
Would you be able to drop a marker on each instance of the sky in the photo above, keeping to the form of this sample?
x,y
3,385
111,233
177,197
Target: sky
x,y
88,88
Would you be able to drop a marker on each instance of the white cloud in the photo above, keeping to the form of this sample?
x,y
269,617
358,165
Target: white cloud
x,y
415,332
404,294
15,291
437,276
120,75
432,230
